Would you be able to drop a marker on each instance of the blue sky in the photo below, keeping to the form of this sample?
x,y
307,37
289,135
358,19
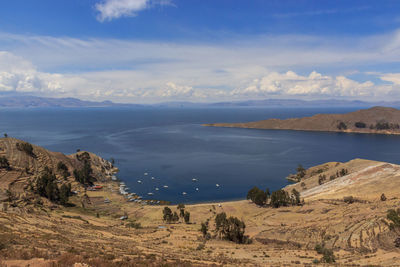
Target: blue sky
x,y
200,50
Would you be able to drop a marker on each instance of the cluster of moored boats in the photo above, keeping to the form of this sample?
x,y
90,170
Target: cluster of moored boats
x,y
133,197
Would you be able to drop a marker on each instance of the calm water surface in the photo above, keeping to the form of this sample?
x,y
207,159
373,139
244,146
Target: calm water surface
x,y
171,145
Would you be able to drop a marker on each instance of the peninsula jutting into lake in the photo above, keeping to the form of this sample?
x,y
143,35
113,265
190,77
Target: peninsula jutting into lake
x,y
376,120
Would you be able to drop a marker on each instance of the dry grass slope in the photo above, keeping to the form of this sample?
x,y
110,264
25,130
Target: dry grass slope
x,y
51,235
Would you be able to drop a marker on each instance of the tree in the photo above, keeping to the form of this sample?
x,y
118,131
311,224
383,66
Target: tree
x,y
175,217
280,198
343,172
26,147
236,229
187,217
220,221
252,192
181,208
383,197
46,186
321,179
360,124
167,214
65,193
230,228
4,164
204,229
84,175
5,135
63,169
258,196
296,197
301,172
342,126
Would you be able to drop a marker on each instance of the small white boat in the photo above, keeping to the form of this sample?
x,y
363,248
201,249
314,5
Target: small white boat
x,y
217,185
139,181
146,173
194,180
183,193
152,178
150,193
157,188
165,186
197,189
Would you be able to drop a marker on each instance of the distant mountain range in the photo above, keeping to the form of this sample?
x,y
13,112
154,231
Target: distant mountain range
x,y
35,101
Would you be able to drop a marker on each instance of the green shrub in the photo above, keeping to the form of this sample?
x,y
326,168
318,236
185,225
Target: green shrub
x,y
393,216
327,254
349,199
135,225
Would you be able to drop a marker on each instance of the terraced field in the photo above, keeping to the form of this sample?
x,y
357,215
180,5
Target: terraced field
x,y
45,234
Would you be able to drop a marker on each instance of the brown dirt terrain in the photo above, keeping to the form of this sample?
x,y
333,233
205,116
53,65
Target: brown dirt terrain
x,y
54,235
329,122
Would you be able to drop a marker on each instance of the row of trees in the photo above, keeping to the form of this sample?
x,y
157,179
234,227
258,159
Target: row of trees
x,y
380,125
228,228
46,186
276,199
171,217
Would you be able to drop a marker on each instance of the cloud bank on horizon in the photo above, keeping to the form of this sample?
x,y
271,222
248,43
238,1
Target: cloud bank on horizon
x,y
235,66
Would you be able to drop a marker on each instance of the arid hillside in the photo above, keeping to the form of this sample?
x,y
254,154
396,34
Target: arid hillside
x,y
26,162
381,120
343,213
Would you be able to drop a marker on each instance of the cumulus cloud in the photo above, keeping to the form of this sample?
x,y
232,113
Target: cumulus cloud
x,y
19,75
150,71
315,84
113,9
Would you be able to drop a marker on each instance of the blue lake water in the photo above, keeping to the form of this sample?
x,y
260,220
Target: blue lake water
x,y
171,145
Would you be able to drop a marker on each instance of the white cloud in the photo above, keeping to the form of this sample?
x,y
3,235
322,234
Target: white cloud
x,y
113,9
148,71
19,75
315,84
391,77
